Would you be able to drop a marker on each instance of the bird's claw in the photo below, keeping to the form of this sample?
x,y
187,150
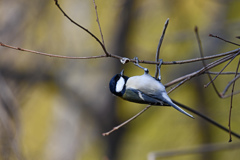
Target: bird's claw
x,y
137,64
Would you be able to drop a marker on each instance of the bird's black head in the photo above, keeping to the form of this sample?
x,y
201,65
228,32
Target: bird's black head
x,y
117,84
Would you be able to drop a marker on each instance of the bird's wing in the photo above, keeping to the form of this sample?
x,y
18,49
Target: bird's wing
x,y
140,97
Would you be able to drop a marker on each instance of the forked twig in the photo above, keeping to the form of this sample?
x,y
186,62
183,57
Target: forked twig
x,y
222,95
86,30
202,70
221,72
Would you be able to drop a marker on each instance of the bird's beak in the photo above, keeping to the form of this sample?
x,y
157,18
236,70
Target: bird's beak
x,y
122,72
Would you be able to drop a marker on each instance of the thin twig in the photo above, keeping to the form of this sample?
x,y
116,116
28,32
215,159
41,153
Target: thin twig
x,y
50,55
204,64
127,121
229,84
159,46
199,45
211,35
223,73
98,22
231,102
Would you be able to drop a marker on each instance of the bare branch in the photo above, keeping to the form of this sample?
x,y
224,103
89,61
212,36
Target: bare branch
x,y
50,55
119,57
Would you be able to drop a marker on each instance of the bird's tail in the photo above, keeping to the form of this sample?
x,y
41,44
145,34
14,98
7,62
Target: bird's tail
x,y
180,109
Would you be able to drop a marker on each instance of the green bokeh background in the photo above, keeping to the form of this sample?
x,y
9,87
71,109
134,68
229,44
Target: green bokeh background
x,y
63,106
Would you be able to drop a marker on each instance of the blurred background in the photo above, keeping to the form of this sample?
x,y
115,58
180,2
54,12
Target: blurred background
x,y
57,109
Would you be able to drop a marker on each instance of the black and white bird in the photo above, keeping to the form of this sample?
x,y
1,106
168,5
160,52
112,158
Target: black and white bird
x,y
143,89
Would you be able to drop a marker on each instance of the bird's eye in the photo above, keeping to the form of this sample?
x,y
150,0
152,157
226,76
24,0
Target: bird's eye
x,y
120,84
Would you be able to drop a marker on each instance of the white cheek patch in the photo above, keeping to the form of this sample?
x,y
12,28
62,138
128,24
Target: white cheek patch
x,y
120,84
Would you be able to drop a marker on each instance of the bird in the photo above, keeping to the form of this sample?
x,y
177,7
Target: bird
x,y
143,89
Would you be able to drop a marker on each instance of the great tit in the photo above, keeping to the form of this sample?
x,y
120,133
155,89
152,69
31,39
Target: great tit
x,y
143,89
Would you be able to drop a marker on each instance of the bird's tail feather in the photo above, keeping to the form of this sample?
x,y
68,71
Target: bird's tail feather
x,y
180,109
